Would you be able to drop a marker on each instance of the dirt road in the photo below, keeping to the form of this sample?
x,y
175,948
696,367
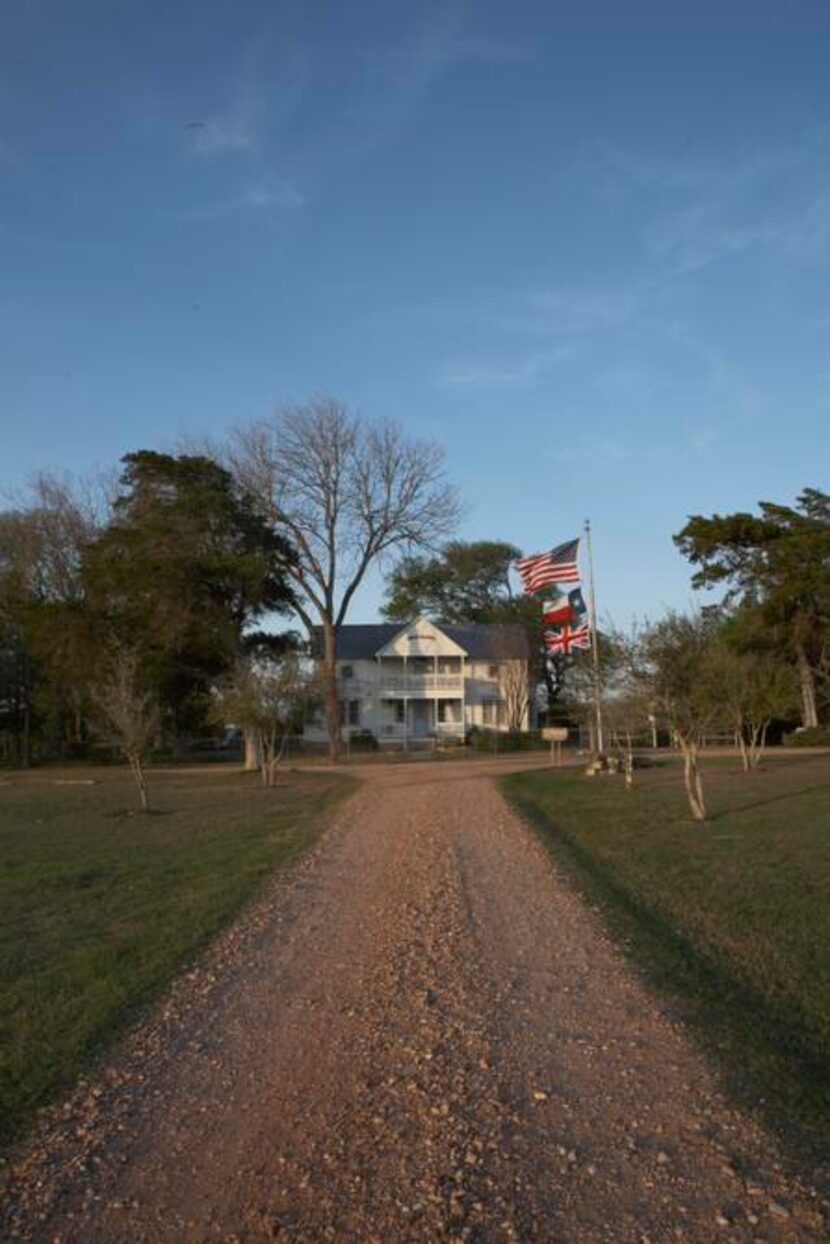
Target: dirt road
x,y
423,1036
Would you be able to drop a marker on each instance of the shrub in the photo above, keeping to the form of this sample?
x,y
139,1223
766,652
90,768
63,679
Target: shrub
x,y
363,741
813,736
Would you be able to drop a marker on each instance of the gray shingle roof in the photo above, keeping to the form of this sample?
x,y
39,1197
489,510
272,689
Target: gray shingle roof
x,y
482,641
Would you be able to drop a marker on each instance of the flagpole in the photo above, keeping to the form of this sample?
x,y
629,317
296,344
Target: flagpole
x,y
600,742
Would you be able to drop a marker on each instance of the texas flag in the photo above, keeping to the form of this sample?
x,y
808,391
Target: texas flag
x,y
563,608
557,609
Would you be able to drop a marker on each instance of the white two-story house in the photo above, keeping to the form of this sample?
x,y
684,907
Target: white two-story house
x,y
426,681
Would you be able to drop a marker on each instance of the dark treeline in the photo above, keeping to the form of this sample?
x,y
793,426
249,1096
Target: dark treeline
x,y
174,572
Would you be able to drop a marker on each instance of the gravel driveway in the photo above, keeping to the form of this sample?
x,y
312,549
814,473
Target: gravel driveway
x,y
421,1036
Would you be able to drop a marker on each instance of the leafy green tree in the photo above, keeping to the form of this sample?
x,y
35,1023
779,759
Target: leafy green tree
x,y
470,582
753,689
466,582
776,566
183,568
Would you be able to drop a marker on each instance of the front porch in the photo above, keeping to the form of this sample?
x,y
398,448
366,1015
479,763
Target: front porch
x,y
419,720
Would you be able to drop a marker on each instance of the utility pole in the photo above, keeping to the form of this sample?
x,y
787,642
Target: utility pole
x,y
600,741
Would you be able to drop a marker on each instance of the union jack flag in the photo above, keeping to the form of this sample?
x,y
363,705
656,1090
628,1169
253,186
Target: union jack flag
x,y
557,566
567,638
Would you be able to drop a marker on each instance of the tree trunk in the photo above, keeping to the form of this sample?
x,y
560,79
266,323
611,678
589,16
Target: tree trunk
x,y
741,741
140,781
330,679
251,750
629,760
271,758
758,743
693,781
809,715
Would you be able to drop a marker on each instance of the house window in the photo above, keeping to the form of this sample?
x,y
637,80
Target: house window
x,y
347,671
493,671
491,713
350,712
398,710
442,710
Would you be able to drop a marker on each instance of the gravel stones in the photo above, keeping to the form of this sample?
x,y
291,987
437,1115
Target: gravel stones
x,y
422,1036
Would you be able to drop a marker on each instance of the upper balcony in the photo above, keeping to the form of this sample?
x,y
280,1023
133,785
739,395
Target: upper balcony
x,y
393,685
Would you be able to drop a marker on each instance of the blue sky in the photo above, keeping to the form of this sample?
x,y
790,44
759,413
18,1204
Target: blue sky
x,y
589,253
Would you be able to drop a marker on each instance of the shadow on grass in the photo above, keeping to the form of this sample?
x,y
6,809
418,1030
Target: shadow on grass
x,y
136,814
766,1062
763,803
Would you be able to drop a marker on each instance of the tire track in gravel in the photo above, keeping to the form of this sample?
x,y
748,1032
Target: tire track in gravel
x,y
423,1036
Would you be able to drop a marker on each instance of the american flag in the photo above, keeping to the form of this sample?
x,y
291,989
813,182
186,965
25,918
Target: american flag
x,y
567,638
557,566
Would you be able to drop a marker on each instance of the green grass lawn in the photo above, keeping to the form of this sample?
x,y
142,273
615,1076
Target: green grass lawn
x,y
99,906
730,921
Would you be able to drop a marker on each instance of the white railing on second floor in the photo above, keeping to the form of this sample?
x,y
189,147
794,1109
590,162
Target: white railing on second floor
x,y
403,684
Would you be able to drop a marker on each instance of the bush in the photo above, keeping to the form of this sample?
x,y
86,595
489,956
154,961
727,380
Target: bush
x,y
500,741
363,741
813,736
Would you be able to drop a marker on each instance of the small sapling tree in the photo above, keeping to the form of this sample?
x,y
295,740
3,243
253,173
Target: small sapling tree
x,y
128,714
270,699
676,653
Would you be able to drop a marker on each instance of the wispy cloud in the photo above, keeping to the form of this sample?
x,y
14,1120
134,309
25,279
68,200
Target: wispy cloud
x,y
281,196
220,134
448,48
776,198
565,311
599,449
697,236
583,310
521,373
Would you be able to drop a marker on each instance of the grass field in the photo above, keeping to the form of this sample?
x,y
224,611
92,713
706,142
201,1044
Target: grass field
x,y
99,906
729,921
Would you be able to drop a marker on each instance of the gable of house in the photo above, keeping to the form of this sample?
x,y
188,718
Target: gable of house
x,y
479,641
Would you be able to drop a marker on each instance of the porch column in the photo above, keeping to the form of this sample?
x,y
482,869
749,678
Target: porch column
x,y
463,698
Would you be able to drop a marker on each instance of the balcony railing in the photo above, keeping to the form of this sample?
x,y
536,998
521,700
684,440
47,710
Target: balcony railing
x,y
404,684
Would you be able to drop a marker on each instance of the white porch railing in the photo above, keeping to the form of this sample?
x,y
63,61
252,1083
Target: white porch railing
x,y
395,732
404,684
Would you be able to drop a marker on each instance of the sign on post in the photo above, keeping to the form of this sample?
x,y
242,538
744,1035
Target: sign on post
x,y
556,736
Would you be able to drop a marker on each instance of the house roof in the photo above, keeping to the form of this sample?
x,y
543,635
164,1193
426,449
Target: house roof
x,y
482,641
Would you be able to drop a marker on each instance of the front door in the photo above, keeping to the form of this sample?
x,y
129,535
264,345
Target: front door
x,y
420,718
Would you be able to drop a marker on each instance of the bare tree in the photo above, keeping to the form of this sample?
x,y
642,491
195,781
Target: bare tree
x,y
128,713
344,493
627,703
269,700
508,646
